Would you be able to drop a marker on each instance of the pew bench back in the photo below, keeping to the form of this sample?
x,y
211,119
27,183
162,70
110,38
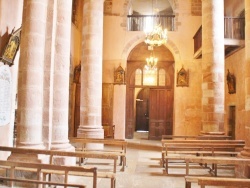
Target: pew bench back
x,y
201,147
212,181
41,170
119,147
55,153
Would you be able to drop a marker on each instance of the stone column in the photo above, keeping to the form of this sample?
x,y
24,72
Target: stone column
x,y
244,171
91,70
246,151
30,82
213,65
61,56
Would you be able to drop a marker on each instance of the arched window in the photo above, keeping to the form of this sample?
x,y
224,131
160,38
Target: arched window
x,y
149,77
138,77
162,77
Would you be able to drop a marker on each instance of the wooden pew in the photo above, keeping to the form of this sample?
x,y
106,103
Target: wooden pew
x,y
213,137
41,170
214,161
224,182
55,153
41,182
81,145
212,181
189,139
201,147
181,137
199,137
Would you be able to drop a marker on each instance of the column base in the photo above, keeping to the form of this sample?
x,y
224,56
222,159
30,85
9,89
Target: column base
x,y
243,171
211,127
61,160
98,133
27,157
83,132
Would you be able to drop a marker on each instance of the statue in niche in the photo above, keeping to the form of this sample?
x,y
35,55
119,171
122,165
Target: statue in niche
x,y
231,83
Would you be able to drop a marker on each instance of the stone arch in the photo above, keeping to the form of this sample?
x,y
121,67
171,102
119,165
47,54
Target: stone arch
x,y
173,4
140,38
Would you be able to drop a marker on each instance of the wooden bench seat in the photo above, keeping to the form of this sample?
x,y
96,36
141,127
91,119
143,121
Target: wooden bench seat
x,y
182,137
55,153
42,169
201,147
214,161
119,147
199,137
38,182
218,181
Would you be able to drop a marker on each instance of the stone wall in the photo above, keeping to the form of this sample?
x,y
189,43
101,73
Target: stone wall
x,y
234,64
118,43
7,24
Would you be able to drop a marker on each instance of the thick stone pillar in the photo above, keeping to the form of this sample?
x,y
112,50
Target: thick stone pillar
x,y
30,82
60,115
91,70
213,65
244,171
247,79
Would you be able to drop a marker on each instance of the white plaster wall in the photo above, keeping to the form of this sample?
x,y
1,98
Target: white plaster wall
x,y
11,17
119,110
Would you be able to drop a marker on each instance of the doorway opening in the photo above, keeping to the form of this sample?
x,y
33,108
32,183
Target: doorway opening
x,y
149,94
142,113
231,122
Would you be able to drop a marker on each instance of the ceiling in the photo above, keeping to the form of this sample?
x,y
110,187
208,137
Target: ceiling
x,y
146,7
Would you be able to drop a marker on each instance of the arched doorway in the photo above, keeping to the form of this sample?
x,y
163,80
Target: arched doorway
x,y
142,111
155,87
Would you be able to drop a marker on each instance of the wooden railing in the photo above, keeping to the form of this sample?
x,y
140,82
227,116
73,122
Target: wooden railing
x,y
145,22
198,39
234,28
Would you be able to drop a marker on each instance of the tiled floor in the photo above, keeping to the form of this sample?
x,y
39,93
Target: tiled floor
x,y
144,169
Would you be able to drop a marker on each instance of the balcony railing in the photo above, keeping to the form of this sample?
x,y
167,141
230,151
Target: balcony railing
x,y
198,39
145,22
234,28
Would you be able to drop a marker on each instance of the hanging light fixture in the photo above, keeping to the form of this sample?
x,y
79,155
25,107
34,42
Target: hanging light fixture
x,y
158,36
151,62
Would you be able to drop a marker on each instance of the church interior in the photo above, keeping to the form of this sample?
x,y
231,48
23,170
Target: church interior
x,y
167,80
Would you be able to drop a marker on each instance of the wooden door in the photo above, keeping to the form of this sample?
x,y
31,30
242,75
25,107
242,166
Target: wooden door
x,y
77,108
107,109
231,128
142,110
160,114
142,115
130,127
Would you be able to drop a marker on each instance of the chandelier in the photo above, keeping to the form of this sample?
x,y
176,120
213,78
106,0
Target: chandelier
x,y
151,62
157,37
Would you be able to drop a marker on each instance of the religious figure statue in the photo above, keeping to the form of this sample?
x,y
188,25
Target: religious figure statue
x,y
231,83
